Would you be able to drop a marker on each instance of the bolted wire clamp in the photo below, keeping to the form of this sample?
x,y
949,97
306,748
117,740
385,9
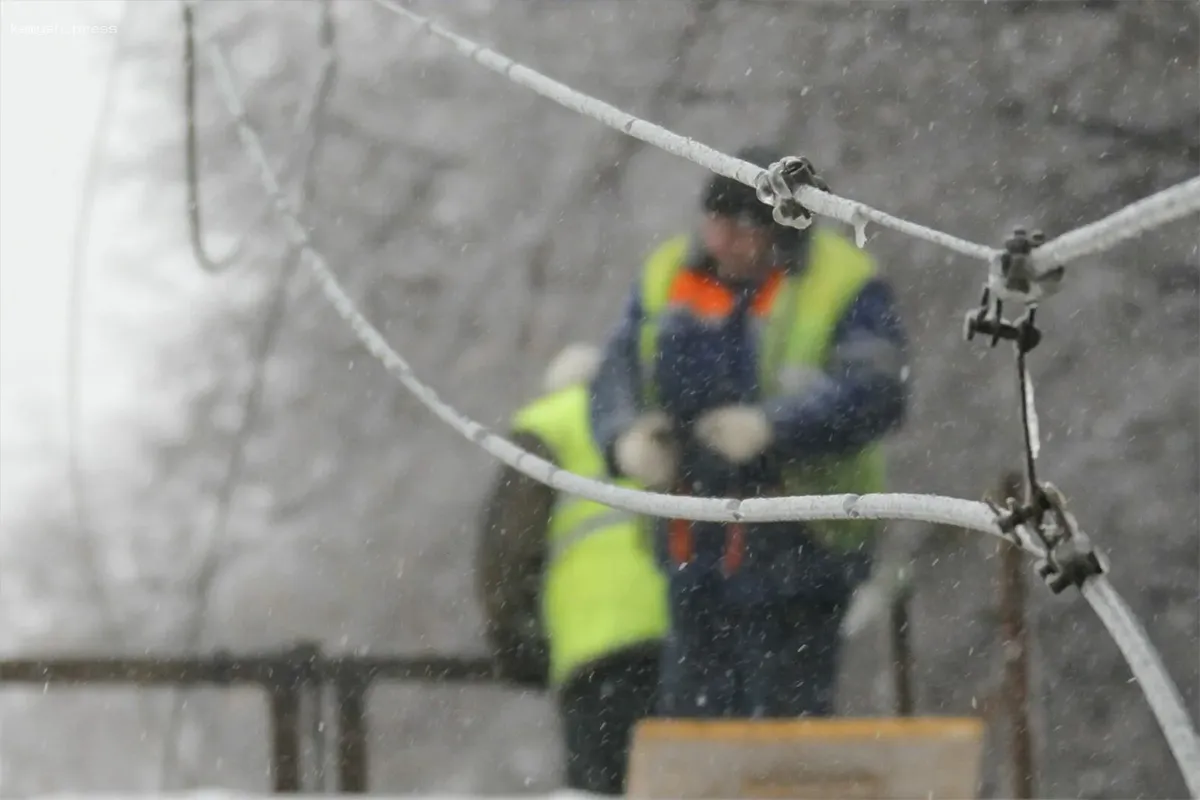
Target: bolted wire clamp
x,y
1023,333
1012,275
779,184
1070,557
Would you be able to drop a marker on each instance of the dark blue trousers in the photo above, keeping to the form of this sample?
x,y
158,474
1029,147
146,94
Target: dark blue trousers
x,y
759,653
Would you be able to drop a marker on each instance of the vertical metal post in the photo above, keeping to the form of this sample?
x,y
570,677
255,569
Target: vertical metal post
x,y
1015,644
313,702
901,653
352,734
285,737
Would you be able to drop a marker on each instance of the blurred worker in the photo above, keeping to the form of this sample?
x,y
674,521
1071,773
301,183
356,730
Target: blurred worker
x,y
570,588
754,360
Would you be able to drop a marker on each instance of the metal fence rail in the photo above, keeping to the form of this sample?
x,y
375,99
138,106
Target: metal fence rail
x,y
286,676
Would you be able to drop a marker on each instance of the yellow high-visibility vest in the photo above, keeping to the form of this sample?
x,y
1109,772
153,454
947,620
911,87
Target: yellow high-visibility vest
x,y
798,333
602,590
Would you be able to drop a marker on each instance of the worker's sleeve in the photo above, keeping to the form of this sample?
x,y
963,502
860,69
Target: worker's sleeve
x,y
616,389
863,393
508,570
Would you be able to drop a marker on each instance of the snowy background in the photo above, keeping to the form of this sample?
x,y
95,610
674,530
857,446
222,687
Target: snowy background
x,y
481,227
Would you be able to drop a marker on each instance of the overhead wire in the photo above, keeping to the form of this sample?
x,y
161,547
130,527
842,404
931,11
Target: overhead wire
x,y
192,157
848,211
1154,211
1166,206
192,160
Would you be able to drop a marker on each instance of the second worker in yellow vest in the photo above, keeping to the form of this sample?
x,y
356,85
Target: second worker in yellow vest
x,y
754,359
570,588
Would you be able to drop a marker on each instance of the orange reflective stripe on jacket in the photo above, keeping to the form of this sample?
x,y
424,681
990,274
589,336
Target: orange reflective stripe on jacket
x,y
679,541
681,546
708,298
735,548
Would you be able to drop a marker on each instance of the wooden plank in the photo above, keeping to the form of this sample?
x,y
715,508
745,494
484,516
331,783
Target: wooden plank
x,y
911,757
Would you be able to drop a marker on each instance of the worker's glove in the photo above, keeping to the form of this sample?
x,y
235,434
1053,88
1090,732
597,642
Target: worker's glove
x,y
739,433
647,452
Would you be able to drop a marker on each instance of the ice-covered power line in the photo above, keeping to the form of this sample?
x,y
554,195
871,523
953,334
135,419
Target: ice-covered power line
x,y
1137,218
848,211
1172,203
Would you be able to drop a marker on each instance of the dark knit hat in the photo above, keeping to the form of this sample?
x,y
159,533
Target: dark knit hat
x,y
729,198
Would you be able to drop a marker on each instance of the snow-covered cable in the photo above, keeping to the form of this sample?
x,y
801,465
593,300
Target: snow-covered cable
x,y
951,511
1147,667
848,211
1133,220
